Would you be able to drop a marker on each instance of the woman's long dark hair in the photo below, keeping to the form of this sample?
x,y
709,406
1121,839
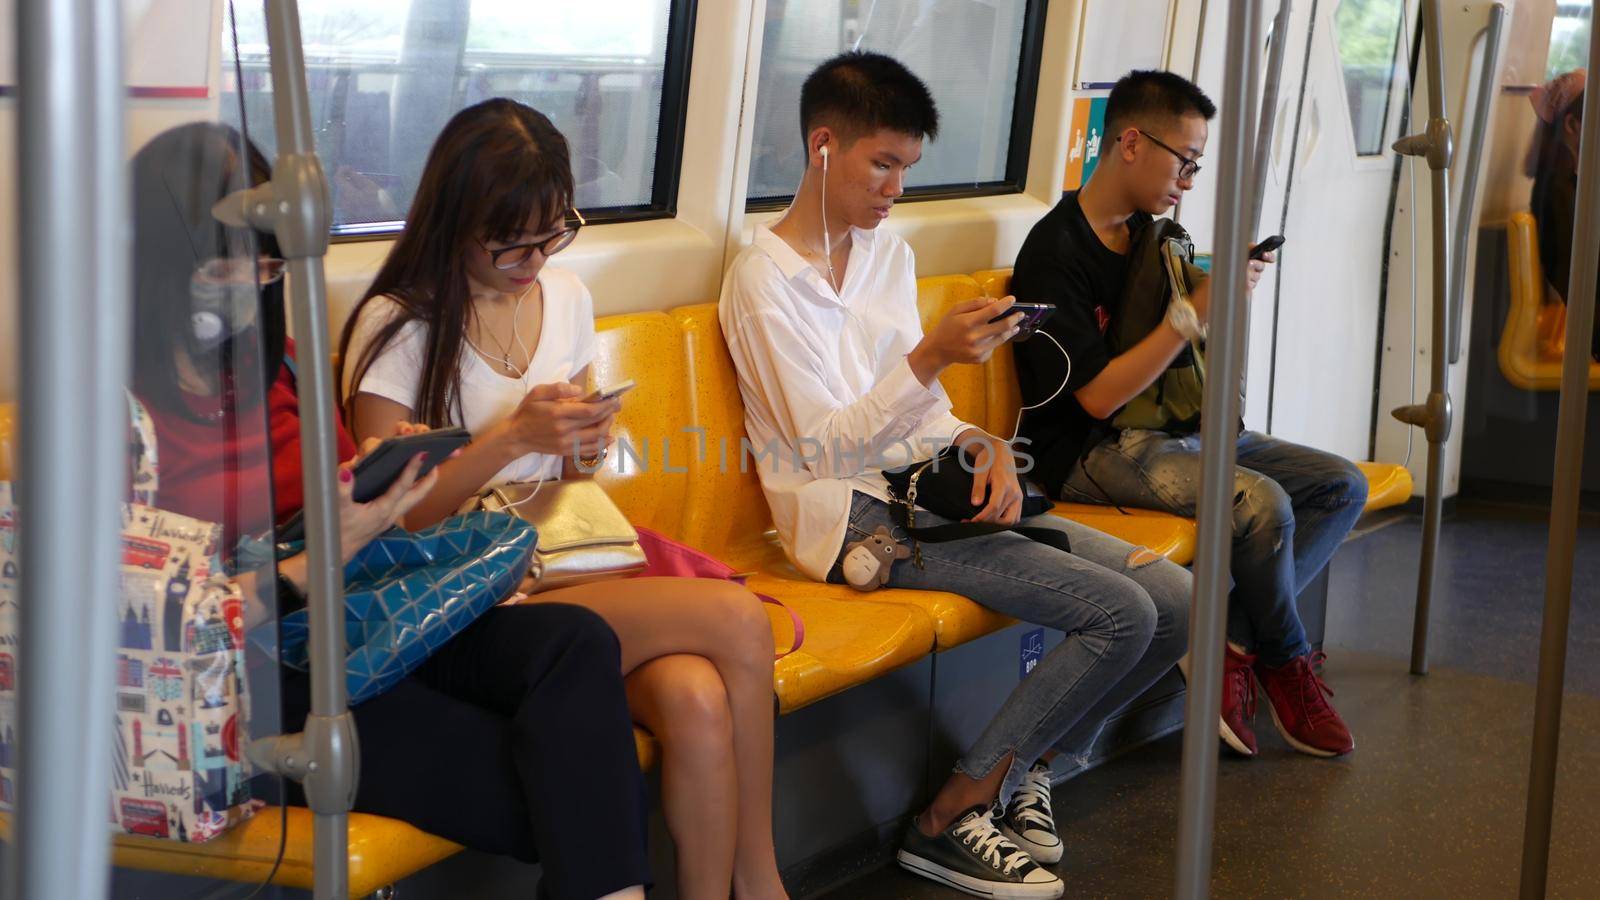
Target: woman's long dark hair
x,y
494,168
177,178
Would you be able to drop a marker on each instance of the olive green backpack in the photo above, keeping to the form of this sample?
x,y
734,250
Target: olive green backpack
x,y
1162,264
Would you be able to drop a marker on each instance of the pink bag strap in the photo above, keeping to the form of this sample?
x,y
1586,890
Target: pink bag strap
x,y
794,619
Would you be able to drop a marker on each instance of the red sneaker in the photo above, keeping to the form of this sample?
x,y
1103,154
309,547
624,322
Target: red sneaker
x,y
1298,700
1238,701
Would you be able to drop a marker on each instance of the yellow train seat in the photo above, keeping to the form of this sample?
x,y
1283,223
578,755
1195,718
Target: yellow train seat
x,y
727,514
1530,343
965,384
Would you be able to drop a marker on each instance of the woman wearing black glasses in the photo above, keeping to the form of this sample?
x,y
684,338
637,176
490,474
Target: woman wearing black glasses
x,y
468,324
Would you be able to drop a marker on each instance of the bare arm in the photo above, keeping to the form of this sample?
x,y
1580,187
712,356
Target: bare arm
x,y
459,478
1130,373
1136,369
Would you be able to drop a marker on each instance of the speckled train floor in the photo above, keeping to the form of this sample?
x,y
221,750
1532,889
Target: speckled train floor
x,y
1431,803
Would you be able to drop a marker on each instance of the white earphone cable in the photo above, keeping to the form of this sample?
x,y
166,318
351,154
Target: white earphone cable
x,y
827,241
1017,427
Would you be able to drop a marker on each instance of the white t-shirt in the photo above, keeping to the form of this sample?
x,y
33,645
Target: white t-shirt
x,y
566,346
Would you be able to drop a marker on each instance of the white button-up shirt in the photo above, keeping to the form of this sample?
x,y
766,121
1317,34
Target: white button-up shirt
x,y
827,390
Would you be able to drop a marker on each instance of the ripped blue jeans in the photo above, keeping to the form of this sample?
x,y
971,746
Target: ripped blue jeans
x,y
1292,508
1124,609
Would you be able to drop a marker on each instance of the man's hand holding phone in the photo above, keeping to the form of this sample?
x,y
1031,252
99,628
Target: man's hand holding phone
x,y
968,334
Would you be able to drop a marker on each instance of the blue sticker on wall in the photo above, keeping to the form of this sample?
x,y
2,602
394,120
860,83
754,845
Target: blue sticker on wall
x,y
1032,651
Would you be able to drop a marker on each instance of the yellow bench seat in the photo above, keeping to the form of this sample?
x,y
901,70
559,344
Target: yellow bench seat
x,y
1523,358
1388,484
382,850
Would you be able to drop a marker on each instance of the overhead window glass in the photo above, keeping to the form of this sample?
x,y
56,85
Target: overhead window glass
x,y
978,57
1569,37
1368,34
385,77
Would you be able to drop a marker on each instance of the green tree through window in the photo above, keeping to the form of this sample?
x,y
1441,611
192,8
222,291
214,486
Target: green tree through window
x,y
1367,32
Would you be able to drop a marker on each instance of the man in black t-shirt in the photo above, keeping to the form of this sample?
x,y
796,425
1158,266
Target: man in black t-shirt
x,y
1294,504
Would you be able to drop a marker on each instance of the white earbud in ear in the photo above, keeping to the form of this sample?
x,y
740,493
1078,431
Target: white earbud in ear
x,y
824,151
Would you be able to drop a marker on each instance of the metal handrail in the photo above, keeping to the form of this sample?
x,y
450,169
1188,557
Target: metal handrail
x,y
1217,456
295,206
1466,220
1269,114
1570,424
1433,416
73,178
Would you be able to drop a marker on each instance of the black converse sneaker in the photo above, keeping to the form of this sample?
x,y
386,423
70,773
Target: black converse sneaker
x,y
1028,822
973,856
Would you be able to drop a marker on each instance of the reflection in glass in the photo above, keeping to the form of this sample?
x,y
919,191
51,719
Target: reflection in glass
x,y
1368,32
967,51
384,77
1569,37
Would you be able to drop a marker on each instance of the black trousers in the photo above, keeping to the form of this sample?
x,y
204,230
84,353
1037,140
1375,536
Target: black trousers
x,y
513,738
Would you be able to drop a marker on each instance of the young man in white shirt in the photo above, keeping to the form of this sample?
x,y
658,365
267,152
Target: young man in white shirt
x,y
840,383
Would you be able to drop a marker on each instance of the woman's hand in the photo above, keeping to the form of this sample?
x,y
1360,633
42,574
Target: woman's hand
x,y
551,420
359,523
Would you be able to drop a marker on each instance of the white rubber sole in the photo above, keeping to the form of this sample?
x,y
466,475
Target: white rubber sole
x,y
1041,854
977,887
1307,749
1232,740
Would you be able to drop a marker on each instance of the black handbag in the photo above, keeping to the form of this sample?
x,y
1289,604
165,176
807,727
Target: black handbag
x,y
943,486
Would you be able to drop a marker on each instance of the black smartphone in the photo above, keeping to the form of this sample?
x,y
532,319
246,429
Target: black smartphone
x,y
1032,315
377,470
1268,245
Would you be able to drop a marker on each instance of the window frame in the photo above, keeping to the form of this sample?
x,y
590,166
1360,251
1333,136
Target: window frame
x,y
677,61
1015,180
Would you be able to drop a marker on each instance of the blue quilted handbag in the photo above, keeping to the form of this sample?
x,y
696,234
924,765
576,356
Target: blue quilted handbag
x,y
407,593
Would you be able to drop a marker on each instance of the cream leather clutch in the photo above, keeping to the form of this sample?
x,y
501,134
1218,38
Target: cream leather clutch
x,y
583,536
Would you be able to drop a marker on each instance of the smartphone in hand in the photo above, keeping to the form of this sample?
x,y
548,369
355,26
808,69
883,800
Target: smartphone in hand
x,y
616,390
377,470
1267,245
1031,316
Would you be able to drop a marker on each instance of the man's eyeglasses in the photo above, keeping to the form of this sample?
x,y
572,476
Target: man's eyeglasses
x,y
1188,167
518,254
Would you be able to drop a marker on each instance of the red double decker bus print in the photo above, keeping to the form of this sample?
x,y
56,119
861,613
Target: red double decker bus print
x,y
147,817
146,552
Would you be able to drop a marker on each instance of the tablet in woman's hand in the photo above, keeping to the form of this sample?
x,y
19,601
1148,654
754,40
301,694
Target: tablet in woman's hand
x,y
376,471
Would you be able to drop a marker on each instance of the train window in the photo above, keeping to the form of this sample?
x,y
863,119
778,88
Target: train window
x,y
1569,37
980,58
1368,33
384,78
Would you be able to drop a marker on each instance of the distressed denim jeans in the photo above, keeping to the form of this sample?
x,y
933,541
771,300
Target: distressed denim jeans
x,y
1124,610
1292,507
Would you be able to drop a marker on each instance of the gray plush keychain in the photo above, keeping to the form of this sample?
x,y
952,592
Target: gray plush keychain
x,y
867,562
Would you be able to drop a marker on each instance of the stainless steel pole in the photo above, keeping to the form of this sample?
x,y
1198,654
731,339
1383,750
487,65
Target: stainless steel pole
x,y
1218,439
1466,217
1269,114
1564,500
1434,416
300,215
73,189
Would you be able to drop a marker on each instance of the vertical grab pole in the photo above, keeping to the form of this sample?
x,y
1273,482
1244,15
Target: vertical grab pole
x,y
1269,114
1218,452
1433,416
1564,500
1466,217
300,216
73,186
